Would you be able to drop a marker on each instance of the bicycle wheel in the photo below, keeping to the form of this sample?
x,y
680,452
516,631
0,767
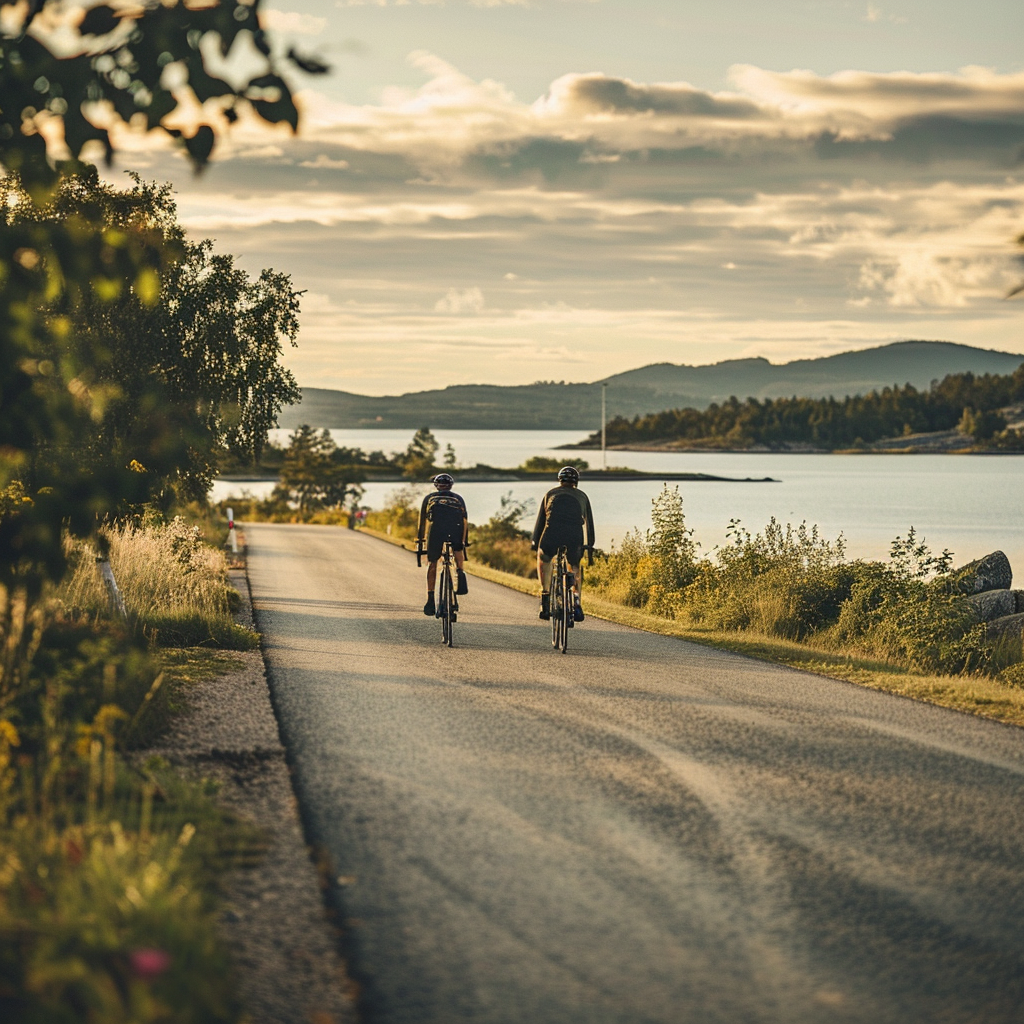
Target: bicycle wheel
x,y
559,633
448,601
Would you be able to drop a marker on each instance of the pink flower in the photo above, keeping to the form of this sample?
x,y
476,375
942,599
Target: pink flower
x,y
149,963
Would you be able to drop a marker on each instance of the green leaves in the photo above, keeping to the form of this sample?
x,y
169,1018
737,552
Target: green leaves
x,y
272,100
127,71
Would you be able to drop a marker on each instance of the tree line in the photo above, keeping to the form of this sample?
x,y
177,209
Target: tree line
x,y
966,401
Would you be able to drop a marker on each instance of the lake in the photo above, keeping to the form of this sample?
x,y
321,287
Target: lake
x,y
970,504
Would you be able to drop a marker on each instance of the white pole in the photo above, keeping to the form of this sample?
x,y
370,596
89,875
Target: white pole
x,y
231,531
604,419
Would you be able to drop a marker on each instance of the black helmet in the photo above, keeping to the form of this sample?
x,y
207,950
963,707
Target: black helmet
x,y
443,480
570,473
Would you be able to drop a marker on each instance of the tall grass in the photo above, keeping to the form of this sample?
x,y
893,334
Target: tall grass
x,y
107,864
174,586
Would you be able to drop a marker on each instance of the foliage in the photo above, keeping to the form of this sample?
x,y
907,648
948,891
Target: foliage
x,y
102,924
120,65
131,63
173,585
400,515
418,460
502,542
106,899
651,570
178,369
791,583
963,399
545,464
982,425
317,474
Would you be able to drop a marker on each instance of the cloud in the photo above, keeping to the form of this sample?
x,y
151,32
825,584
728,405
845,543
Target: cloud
x,y
324,161
625,222
466,300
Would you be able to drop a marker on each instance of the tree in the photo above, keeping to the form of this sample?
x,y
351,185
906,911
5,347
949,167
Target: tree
x,y
315,473
122,65
450,460
418,460
185,370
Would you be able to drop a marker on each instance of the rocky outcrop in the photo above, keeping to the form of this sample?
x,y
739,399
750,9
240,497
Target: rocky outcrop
x,y
992,572
994,604
1008,625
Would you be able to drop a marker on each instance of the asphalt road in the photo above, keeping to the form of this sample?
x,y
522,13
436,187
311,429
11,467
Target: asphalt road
x,y
642,830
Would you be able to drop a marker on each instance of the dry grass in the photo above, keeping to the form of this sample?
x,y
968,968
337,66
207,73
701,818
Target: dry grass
x,y
173,585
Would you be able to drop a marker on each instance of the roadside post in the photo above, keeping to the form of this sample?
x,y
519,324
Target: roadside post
x,y
231,531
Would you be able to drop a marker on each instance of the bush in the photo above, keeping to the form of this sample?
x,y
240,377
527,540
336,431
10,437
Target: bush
x,y
400,515
651,571
502,543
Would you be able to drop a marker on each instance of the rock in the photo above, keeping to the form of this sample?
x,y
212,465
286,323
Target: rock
x,y
1008,625
992,572
1019,596
994,604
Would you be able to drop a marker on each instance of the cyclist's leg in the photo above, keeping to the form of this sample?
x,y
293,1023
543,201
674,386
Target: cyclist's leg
x,y
434,544
460,557
430,608
544,573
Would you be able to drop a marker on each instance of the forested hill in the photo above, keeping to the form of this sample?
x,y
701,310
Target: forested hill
x,y
647,389
963,402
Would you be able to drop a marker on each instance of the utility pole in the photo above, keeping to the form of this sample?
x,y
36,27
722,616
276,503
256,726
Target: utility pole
x,y
604,420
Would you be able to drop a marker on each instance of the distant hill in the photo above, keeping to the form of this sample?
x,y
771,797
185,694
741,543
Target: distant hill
x,y
647,389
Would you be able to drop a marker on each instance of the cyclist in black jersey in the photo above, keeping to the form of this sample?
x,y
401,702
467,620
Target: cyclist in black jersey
x,y
563,513
443,516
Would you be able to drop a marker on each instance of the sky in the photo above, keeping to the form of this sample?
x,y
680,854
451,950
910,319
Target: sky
x,y
487,191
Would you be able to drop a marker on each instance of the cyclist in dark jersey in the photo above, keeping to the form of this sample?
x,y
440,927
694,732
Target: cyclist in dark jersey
x,y
443,516
563,513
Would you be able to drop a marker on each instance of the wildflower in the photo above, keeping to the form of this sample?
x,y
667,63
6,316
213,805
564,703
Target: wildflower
x,y
149,963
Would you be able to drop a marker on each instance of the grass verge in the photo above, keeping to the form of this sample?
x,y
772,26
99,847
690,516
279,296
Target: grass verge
x,y
973,694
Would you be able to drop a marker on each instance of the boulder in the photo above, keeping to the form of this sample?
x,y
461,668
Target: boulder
x,y
1019,596
1008,625
992,572
994,604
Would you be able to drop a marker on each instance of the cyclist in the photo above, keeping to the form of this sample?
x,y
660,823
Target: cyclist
x,y
563,513
443,516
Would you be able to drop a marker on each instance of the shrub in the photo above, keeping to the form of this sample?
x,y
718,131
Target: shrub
x,y
502,543
400,515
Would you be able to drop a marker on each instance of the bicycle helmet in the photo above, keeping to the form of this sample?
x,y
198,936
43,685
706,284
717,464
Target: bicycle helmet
x,y
570,473
443,480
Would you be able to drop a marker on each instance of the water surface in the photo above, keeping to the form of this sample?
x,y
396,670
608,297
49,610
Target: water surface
x,y
969,503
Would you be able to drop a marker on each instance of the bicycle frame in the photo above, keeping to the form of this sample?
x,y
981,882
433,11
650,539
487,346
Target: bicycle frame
x,y
447,603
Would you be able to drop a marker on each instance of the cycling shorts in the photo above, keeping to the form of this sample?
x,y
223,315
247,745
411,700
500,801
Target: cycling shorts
x,y
553,539
438,534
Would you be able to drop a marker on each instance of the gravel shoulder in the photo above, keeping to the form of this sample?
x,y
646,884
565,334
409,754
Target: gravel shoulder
x,y
274,919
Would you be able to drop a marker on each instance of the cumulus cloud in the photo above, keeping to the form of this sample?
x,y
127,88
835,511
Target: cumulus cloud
x,y
629,222
452,116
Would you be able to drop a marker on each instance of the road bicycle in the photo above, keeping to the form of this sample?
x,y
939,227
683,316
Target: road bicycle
x,y
563,598
563,580
447,602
